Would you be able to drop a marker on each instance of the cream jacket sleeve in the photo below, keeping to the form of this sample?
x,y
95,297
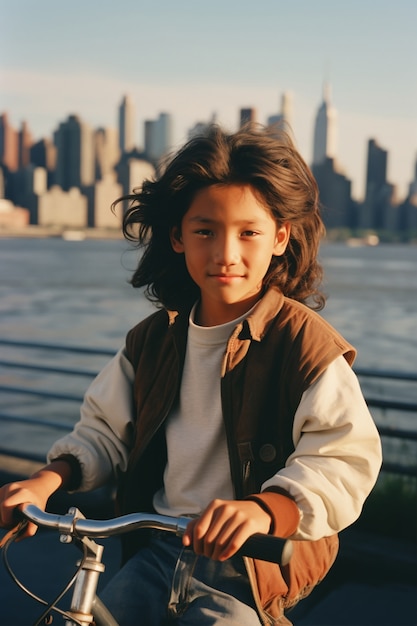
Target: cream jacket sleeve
x,y
103,437
337,454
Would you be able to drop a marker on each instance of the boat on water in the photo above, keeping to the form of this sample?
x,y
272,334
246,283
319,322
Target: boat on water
x,y
368,240
73,235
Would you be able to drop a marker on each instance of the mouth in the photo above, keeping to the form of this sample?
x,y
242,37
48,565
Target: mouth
x,y
226,278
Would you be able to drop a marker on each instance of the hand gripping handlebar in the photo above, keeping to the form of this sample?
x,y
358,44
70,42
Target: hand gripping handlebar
x,y
258,546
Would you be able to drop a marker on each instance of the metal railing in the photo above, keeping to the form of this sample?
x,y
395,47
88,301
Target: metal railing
x,y
374,402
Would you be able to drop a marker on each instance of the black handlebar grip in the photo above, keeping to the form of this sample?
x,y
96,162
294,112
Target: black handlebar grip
x,y
267,548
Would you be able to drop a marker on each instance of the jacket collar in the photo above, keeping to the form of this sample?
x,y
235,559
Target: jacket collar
x,y
257,323
259,320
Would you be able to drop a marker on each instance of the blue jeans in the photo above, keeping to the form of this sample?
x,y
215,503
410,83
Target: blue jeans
x,y
165,583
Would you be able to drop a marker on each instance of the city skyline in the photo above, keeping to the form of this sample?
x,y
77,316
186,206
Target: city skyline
x,y
219,59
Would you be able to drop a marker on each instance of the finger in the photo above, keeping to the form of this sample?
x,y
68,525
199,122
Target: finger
x,y
7,511
29,531
187,538
197,530
213,538
230,545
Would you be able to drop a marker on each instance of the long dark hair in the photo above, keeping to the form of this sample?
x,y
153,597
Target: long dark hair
x,y
261,157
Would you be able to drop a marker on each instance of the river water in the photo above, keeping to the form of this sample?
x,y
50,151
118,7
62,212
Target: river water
x,y
77,292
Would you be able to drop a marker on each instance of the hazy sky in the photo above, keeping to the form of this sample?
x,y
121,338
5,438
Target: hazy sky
x,y
193,59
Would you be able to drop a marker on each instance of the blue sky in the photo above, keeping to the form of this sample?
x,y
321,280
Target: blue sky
x,y
193,59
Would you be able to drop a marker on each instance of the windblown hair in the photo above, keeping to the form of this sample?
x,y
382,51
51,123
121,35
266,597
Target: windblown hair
x,y
264,158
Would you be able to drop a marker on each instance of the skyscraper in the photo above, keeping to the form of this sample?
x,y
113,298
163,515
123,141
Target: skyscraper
x,y
376,171
106,149
127,124
286,113
324,144
25,142
247,115
9,144
379,193
75,154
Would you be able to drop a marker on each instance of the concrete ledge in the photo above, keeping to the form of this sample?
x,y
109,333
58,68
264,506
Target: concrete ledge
x,y
14,468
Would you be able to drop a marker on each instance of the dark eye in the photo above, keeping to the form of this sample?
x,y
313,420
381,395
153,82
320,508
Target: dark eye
x,y
204,232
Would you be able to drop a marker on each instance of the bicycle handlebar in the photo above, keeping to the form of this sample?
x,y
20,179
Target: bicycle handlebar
x,y
258,546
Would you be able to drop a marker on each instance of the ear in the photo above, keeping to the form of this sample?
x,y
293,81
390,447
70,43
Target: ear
x,y
176,240
281,239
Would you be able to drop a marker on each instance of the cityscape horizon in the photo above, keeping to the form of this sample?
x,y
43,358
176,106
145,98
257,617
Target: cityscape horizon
x,y
71,177
191,61
400,190
307,153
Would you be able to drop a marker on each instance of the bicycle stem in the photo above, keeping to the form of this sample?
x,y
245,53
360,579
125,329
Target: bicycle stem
x,y
75,525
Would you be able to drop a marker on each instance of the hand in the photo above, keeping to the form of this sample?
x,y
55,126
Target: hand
x,y
15,494
35,490
224,526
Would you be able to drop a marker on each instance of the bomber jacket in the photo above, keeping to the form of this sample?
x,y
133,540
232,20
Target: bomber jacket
x,y
273,358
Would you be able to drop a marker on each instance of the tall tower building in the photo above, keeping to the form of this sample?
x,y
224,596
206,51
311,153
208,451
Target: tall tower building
x,y
324,145
25,142
106,149
9,144
407,211
247,115
286,111
376,171
287,107
379,193
127,125
75,154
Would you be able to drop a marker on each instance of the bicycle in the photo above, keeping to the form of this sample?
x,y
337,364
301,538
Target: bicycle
x,y
86,608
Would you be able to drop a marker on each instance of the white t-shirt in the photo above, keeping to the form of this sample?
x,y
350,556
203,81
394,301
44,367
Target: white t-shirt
x,y
198,468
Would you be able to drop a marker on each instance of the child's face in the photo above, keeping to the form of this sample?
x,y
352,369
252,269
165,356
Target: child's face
x,y
228,238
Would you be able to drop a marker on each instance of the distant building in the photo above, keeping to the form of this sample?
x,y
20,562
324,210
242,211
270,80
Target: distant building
x,y
158,137
100,197
107,152
379,194
25,142
200,128
75,154
132,171
127,124
247,115
43,154
412,191
335,195
29,183
325,130
9,144
63,209
407,211
285,116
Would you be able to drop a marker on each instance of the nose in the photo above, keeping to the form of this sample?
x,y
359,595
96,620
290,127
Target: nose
x,y
226,250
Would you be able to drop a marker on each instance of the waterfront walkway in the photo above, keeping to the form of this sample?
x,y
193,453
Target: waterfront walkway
x,y
373,582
